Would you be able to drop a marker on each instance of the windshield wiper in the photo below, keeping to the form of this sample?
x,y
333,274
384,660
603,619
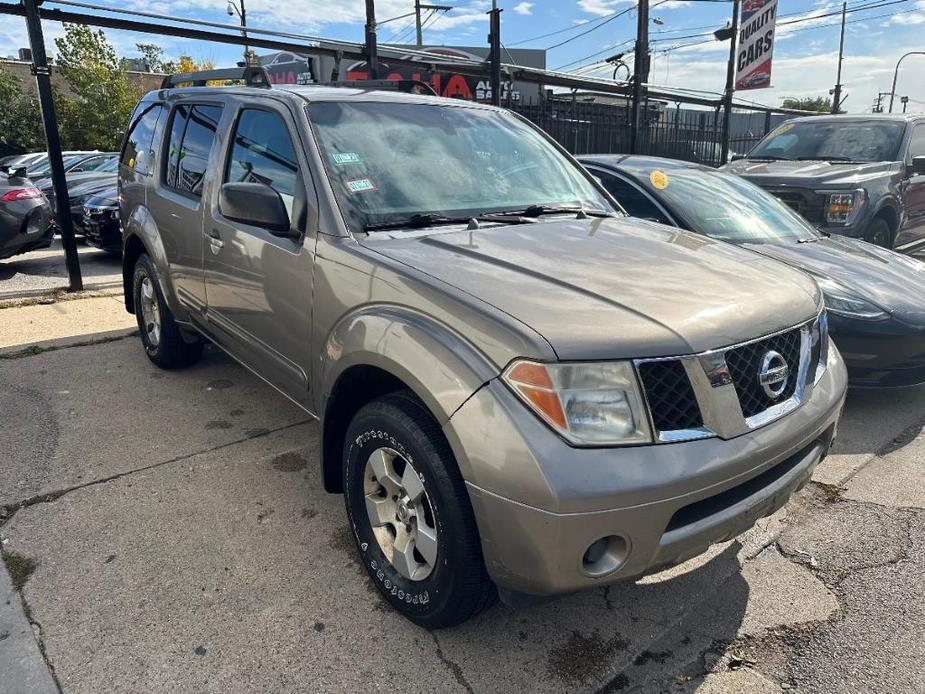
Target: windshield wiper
x,y
846,160
417,221
767,157
540,210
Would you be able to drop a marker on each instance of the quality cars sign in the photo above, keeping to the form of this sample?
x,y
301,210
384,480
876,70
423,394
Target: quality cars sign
x,y
756,44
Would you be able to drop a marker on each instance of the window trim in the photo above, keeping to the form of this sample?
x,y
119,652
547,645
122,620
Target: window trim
x,y
915,128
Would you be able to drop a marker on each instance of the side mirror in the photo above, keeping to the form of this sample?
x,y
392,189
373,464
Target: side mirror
x,y
918,166
736,157
255,204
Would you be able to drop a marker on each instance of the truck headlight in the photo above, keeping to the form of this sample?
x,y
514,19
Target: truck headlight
x,y
842,208
587,403
841,301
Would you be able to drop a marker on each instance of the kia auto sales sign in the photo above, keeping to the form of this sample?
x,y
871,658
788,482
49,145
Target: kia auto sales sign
x,y
756,44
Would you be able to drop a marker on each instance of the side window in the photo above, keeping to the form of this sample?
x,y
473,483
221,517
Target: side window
x,y
192,132
174,143
197,143
635,202
262,152
137,148
917,142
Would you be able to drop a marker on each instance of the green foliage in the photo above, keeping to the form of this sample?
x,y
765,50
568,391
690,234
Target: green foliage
x,y
819,104
153,55
20,119
95,114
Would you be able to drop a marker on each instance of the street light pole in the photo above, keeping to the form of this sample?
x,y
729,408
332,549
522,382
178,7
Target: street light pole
x,y
494,56
730,82
241,11
896,74
372,51
836,99
49,119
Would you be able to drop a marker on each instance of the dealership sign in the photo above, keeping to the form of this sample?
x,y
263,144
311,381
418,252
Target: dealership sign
x,y
756,44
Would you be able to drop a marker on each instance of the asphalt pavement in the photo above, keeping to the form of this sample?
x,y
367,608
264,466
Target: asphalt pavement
x,y
38,272
170,533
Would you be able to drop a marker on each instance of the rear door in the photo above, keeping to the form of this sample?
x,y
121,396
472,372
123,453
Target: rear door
x,y
259,284
912,230
187,155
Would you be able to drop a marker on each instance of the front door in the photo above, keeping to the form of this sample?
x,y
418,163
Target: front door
x,y
912,231
259,284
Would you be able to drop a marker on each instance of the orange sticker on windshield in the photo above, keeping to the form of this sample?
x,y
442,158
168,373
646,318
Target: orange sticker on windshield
x,y
659,179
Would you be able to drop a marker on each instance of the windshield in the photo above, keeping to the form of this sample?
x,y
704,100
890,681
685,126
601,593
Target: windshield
x,y
848,140
747,213
391,161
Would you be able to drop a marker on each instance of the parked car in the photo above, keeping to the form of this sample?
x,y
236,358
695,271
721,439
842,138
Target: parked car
x,y
100,222
73,161
519,388
14,161
875,297
859,176
81,185
24,215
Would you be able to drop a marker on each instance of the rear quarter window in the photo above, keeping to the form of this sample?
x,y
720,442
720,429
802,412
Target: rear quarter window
x,y
136,152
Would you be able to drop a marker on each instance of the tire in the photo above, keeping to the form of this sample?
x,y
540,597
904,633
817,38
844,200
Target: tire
x,y
160,336
879,233
443,582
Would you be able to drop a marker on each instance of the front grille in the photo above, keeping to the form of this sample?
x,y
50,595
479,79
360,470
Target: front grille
x,y
745,363
670,395
806,204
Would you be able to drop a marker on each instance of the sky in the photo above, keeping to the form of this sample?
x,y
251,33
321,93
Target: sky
x,y
805,54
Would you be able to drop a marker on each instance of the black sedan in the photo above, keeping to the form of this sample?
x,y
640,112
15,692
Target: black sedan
x,y
24,215
100,224
875,298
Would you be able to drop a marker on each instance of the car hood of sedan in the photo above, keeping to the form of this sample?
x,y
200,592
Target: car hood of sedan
x,y
809,173
891,280
614,287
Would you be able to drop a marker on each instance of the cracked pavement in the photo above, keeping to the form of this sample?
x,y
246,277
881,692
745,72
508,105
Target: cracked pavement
x,y
181,542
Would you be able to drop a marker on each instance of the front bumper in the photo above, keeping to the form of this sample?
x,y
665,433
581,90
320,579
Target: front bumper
x,y
880,354
540,504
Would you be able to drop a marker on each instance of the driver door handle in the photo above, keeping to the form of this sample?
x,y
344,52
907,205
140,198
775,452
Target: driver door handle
x,y
215,240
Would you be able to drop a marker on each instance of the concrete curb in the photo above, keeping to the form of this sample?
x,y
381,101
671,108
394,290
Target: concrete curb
x,y
51,291
63,342
21,661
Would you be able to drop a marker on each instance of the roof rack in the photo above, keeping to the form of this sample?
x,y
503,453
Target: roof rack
x,y
407,86
252,76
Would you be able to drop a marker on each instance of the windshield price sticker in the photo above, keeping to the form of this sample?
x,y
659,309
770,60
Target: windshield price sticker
x,y
359,185
345,158
659,179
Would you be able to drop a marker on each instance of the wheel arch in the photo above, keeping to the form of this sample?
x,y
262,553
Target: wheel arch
x,y
141,236
378,350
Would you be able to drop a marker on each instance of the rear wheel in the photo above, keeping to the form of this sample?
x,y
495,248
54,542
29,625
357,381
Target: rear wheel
x,y
162,339
879,234
410,514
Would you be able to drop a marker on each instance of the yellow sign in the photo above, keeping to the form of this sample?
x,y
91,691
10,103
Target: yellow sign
x,y
659,179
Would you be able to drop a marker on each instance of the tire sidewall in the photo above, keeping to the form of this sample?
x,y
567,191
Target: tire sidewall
x,y
417,600
144,268
879,227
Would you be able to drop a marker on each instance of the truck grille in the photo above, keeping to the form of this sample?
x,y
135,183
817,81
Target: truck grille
x,y
745,362
807,204
684,406
670,395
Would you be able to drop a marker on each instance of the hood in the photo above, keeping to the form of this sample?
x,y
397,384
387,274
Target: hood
x,y
613,288
107,197
808,174
75,179
891,280
92,187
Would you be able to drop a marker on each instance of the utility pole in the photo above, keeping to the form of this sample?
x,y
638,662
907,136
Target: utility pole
x,y
640,73
372,52
50,121
494,56
417,18
836,99
730,82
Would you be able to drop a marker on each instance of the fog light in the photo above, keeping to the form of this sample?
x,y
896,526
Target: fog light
x,y
605,555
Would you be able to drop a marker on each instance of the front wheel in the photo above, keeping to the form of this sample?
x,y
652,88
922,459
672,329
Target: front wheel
x,y
164,344
878,233
410,514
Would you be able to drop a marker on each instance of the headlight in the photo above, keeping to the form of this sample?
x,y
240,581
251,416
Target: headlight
x,y
842,208
840,300
589,404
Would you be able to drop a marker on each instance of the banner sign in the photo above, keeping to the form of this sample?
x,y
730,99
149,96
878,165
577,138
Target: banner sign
x,y
756,44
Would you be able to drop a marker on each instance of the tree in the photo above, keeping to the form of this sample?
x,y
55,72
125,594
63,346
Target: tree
x,y
102,98
153,55
20,117
819,104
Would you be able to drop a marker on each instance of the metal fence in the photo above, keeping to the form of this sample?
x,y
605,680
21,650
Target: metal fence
x,y
592,127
